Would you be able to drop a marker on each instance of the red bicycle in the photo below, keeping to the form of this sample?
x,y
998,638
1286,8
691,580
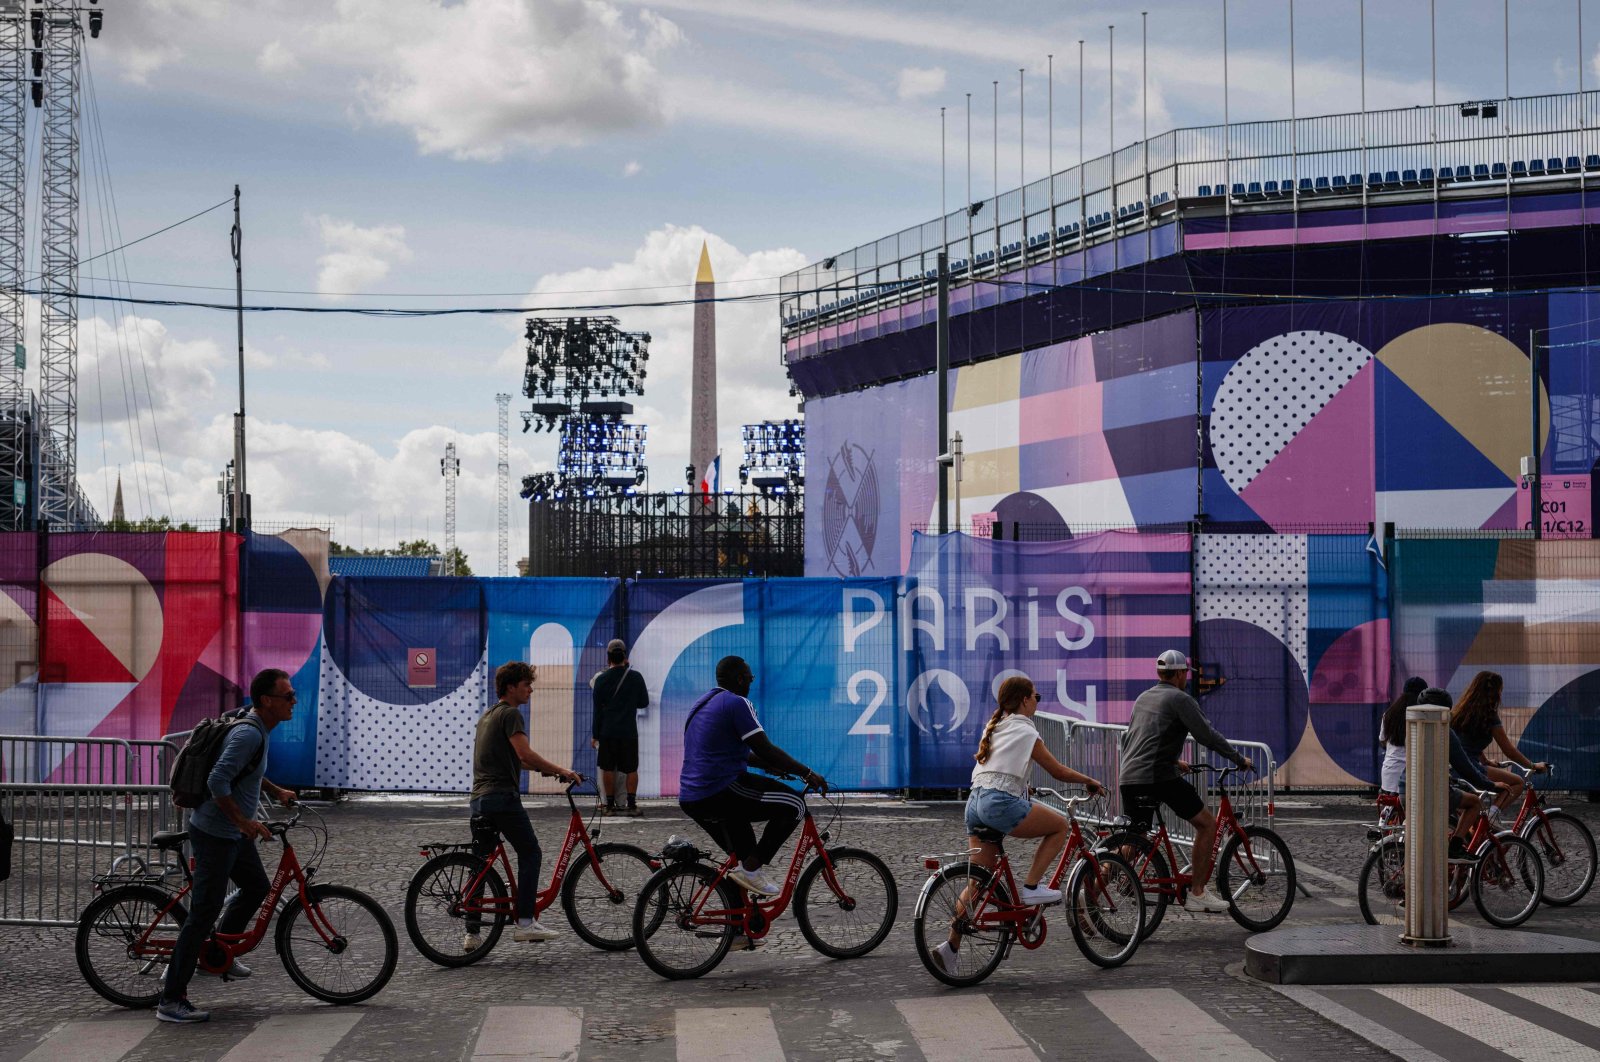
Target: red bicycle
x,y
975,905
458,903
1564,843
689,912
336,942
1254,870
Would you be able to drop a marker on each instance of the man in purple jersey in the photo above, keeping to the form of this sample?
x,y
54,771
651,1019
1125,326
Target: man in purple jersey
x,y
721,738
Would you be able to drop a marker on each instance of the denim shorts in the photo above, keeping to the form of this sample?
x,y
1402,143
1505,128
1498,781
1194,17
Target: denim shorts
x,y
993,811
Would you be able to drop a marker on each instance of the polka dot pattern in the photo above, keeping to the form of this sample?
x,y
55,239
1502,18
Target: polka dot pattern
x,y
364,743
1260,579
1272,392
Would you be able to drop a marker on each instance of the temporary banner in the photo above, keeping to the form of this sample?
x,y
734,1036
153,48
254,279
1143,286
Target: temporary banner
x,y
1083,618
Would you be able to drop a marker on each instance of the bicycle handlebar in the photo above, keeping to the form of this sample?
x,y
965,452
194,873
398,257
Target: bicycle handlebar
x,y
1072,801
1528,772
1220,772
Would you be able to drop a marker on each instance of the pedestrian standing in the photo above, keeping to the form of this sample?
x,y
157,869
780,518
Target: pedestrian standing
x,y
619,696
223,832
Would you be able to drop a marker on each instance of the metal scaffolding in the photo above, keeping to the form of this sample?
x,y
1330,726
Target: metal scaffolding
x,y
450,468
62,44
13,244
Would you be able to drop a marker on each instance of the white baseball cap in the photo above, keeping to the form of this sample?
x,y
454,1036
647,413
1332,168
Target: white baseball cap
x,y
1172,660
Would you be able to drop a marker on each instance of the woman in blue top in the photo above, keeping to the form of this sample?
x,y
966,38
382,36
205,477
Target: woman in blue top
x,y
1476,719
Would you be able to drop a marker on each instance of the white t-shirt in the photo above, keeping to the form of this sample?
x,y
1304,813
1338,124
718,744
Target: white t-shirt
x,y
1392,776
1010,755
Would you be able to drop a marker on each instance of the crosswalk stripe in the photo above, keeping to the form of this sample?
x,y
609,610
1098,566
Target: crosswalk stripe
x,y
1573,1002
1362,1026
93,1041
526,1034
1496,1029
955,1028
727,1034
1170,1028
293,1038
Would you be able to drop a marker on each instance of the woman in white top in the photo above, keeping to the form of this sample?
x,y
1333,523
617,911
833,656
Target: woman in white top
x,y
999,805
1392,736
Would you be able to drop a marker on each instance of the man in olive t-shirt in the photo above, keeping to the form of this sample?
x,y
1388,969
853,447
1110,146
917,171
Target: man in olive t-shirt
x,y
500,751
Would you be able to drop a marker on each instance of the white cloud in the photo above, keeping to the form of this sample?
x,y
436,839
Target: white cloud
x,y
357,258
632,168
916,82
276,59
478,78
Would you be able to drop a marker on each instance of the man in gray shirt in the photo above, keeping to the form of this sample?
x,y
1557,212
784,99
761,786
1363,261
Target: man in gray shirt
x,y
1164,717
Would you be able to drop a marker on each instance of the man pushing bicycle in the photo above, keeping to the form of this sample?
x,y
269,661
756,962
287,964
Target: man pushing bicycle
x,y
1164,717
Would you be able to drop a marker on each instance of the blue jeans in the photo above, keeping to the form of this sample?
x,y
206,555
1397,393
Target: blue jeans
x,y
504,812
217,861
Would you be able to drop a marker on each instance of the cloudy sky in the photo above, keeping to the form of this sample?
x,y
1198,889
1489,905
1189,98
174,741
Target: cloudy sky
x,y
505,153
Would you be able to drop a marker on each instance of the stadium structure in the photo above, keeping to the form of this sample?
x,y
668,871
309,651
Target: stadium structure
x,y
1318,324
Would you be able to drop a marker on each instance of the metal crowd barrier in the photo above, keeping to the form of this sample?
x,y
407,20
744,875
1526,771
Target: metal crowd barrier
x,y
66,836
81,807
1096,750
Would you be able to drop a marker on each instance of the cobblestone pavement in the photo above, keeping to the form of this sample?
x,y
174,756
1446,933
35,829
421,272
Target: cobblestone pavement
x,y
1181,996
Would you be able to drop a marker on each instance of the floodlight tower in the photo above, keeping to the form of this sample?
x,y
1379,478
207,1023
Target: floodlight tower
x,y
502,481
450,468
56,31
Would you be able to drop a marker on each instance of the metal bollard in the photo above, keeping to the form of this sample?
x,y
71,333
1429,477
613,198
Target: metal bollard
x,y
1427,825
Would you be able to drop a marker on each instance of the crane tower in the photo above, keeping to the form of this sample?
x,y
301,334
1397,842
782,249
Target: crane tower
x,y
502,483
450,468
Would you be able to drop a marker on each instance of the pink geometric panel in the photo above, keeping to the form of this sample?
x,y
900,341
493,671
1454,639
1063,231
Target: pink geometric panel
x,y
1059,414
1355,669
1325,474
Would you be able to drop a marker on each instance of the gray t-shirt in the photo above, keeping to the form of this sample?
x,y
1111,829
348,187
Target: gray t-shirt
x,y
495,767
1163,718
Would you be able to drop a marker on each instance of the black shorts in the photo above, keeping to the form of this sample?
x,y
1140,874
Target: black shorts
x,y
1139,802
619,754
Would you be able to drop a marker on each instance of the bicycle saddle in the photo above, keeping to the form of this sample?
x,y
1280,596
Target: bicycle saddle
x,y
680,851
169,841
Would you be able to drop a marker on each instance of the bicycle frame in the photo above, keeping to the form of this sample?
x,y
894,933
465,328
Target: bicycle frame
x,y
235,944
755,918
990,912
1177,886
506,906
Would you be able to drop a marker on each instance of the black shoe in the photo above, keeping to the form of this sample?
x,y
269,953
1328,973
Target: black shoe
x,y
633,810
1458,853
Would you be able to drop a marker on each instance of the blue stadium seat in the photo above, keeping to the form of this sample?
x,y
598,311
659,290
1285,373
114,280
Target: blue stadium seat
x,y
1497,171
1205,189
1519,169
1255,187
1464,173
1271,188
1480,172
1592,162
1238,188
1375,179
1355,182
1409,176
1553,166
1536,167
1306,186
1322,184
1425,175
1339,184
1572,164
1393,176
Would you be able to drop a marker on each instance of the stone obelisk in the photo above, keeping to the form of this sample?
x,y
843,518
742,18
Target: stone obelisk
x,y
703,376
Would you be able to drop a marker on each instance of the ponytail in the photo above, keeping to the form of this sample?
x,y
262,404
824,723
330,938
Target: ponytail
x,y
1012,693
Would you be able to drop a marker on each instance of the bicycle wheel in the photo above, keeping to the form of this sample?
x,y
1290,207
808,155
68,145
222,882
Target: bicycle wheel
x,y
108,931
1105,908
1507,880
599,894
1256,874
435,920
356,963
944,905
848,922
1151,863
1381,892
675,939
1567,848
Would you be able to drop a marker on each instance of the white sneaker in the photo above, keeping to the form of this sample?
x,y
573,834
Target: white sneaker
x,y
470,942
1205,903
946,957
1040,895
755,881
533,932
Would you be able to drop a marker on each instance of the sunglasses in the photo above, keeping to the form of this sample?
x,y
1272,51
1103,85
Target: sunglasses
x,y
291,696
